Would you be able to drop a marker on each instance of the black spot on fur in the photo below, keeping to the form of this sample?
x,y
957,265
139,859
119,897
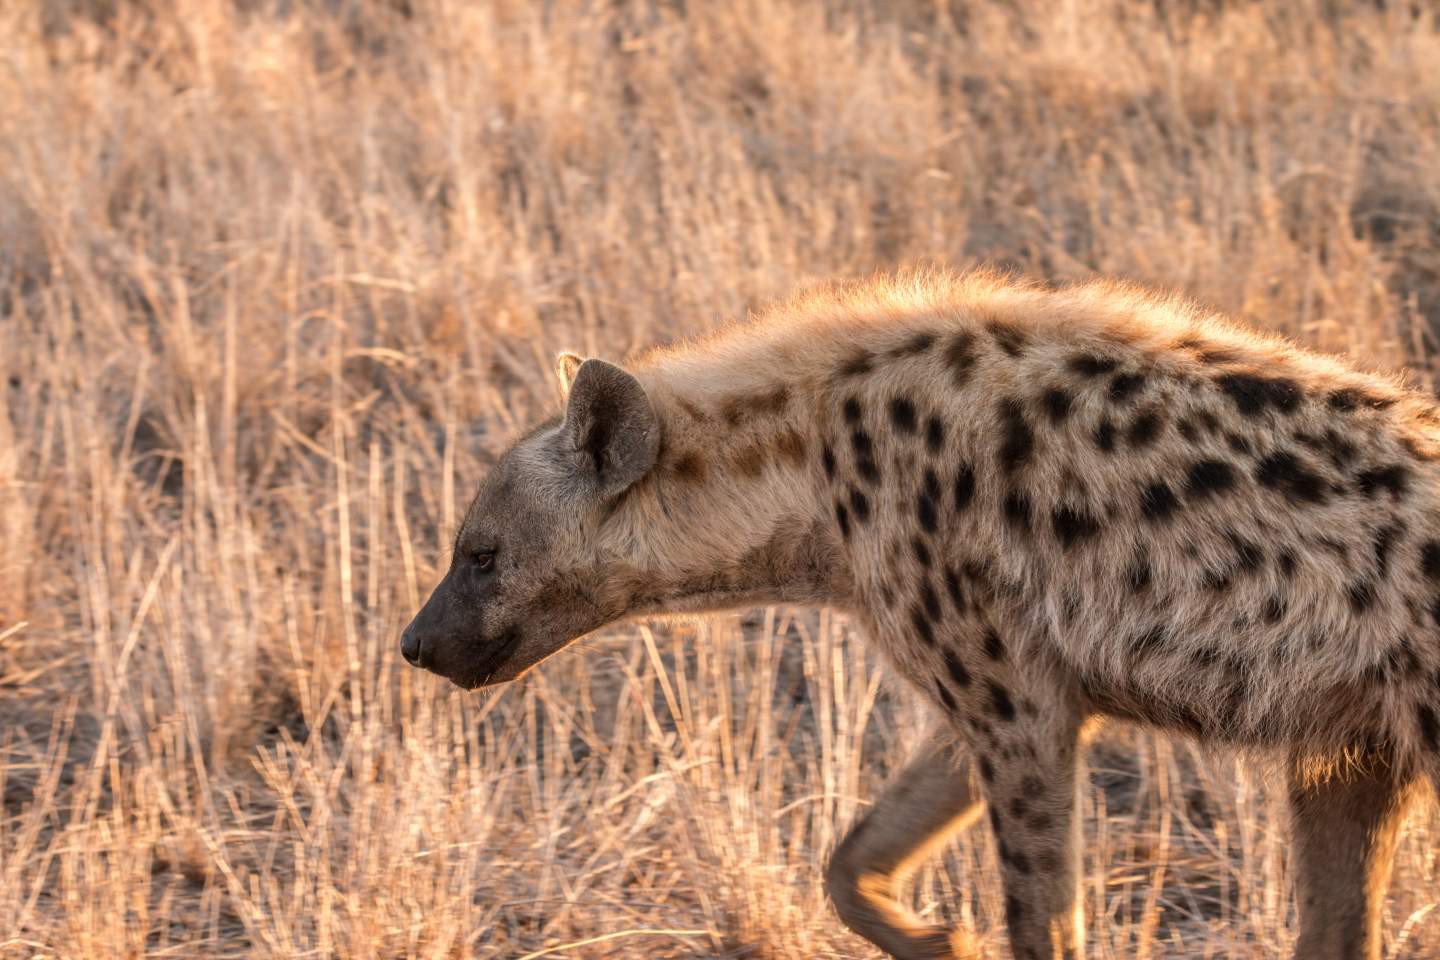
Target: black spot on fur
x,y
952,587
827,460
1430,559
1145,428
1008,337
956,669
1072,526
922,552
1000,704
1249,556
769,403
1351,399
922,626
1217,580
925,513
1285,560
1057,404
1339,450
1287,473
1091,366
960,358
851,410
987,770
1362,595
946,699
1209,478
964,488
864,446
1158,502
1238,444
1253,395
994,646
859,505
1017,511
918,343
865,456
1105,435
1017,860
1274,609
1125,386
1187,429
1393,479
927,508
858,364
1385,539
934,435
1139,574
932,484
842,516
1018,440
902,414
931,601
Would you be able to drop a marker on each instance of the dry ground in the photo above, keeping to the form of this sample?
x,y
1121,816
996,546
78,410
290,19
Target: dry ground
x,y
278,278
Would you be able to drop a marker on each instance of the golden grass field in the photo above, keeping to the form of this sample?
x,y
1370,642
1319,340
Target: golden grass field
x,y
279,278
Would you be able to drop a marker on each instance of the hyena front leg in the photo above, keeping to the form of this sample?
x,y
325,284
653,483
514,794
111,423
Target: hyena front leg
x,y
929,802
1030,758
1345,827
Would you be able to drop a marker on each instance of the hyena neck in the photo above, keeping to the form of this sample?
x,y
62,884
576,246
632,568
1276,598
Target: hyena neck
x,y
755,418
735,512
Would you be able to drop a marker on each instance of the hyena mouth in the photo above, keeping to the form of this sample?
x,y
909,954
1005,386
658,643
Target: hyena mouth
x,y
494,659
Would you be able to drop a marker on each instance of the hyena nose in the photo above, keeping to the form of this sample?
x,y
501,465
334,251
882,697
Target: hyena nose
x,y
410,646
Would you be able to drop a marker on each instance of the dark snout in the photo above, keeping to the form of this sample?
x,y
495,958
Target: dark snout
x,y
431,629
448,637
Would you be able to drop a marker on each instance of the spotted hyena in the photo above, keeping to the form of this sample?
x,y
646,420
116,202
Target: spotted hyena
x,y
1045,507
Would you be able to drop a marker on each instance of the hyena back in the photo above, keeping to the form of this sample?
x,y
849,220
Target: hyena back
x,y
1045,507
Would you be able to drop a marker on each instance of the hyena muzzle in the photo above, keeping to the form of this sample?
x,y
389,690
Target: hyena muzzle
x,y
1045,507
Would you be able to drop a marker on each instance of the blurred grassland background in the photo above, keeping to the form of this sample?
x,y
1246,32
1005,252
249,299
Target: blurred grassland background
x,y
279,278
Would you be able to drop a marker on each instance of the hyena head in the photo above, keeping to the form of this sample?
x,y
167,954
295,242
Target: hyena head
x,y
531,571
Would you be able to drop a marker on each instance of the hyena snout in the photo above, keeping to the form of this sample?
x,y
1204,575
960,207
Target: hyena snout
x,y
447,637
424,641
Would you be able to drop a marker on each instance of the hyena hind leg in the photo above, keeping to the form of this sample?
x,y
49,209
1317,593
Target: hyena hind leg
x,y
1345,826
929,802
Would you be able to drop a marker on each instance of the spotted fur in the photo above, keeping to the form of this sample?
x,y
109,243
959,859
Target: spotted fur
x,y
1046,507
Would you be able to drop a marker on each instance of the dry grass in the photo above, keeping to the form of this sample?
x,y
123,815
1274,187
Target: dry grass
x,y
277,279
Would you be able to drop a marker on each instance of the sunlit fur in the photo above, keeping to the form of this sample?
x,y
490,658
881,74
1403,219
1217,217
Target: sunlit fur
x,y
1322,650
1135,508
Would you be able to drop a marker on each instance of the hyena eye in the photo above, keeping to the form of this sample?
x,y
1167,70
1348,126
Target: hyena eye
x,y
485,561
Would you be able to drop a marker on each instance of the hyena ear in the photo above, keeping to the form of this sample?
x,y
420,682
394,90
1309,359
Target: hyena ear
x,y
567,364
611,427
